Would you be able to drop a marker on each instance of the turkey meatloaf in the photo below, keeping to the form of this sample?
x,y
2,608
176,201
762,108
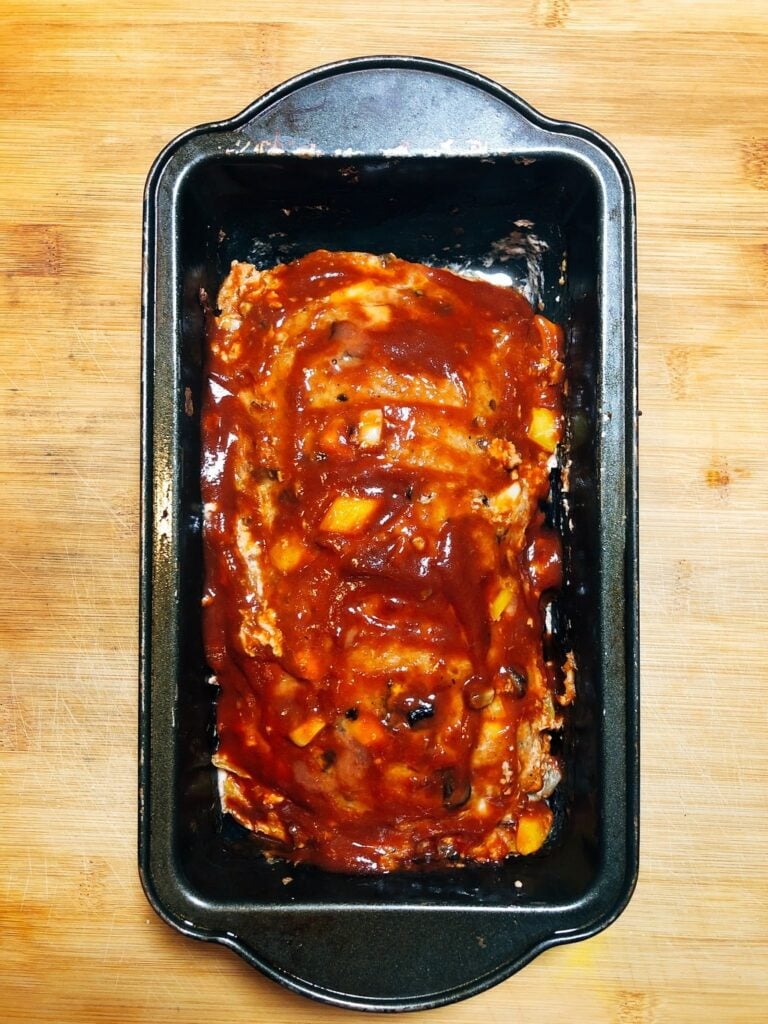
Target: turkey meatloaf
x,y
378,438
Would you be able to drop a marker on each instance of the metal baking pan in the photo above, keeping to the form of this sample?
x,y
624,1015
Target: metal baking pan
x,y
435,164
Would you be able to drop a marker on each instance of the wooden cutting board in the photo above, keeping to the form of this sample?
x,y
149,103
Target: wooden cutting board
x,y
89,93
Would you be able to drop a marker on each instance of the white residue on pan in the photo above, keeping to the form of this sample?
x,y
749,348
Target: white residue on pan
x,y
268,147
449,147
260,252
516,244
521,244
498,277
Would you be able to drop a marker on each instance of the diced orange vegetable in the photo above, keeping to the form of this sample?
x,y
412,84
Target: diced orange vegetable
x,y
367,729
287,553
310,664
532,830
303,734
499,603
348,514
544,429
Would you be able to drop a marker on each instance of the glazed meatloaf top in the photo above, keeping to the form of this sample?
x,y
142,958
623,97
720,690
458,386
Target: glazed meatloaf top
x,y
378,438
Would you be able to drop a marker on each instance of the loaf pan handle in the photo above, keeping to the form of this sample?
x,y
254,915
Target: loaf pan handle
x,y
388,106
391,959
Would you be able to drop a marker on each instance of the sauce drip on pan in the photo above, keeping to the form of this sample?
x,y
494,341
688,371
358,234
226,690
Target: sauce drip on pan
x,y
377,442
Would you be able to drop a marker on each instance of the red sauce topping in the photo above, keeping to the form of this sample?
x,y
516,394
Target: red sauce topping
x,y
377,438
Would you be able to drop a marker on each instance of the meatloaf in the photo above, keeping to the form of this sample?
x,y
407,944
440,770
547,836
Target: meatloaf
x,y
378,438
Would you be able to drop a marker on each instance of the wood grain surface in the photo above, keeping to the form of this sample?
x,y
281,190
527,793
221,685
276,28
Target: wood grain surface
x,y
89,93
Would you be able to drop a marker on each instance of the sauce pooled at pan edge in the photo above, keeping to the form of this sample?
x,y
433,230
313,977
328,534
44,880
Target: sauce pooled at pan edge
x,y
377,442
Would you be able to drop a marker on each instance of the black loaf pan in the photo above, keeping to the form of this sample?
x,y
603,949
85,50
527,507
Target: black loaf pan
x,y
435,164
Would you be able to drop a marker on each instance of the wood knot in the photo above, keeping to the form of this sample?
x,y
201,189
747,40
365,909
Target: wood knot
x,y
720,475
550,13
754,156
31,250
677,358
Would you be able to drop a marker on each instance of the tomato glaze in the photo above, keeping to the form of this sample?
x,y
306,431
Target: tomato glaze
x,y
377,442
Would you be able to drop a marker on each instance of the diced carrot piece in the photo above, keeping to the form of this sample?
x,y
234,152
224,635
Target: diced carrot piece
x,y
303,734
287,553
532,830
544,429
367,729
348,514
499,603
310,664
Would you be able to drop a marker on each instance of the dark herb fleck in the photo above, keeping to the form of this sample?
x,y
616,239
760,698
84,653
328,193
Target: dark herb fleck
x,y
514,682
419,713
288,496
455,792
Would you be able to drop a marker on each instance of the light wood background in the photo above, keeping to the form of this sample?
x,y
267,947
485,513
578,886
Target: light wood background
x,y
89,93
